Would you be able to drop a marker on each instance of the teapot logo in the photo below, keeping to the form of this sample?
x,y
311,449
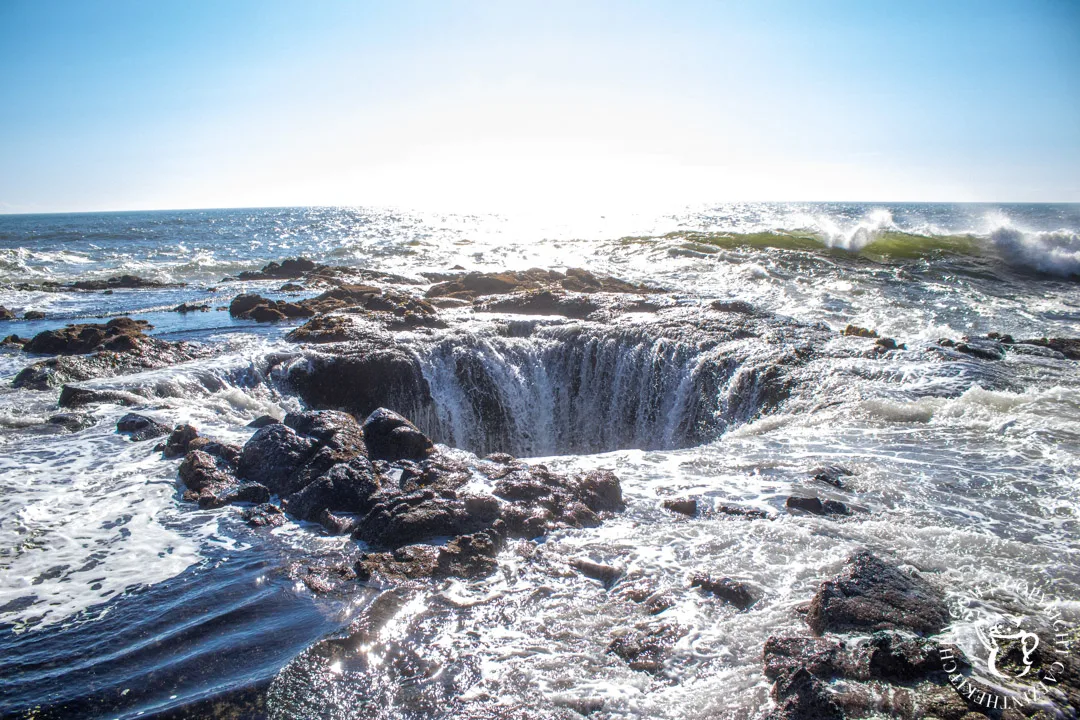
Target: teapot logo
x,y
998,635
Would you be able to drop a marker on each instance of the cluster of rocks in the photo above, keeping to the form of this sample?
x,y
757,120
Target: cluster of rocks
x,y
393,307
107,285
302,268
385,483
992,346
85,351
6,314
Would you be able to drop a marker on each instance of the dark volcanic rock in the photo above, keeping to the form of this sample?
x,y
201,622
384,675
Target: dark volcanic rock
x,y
737,593
361,382
72,422
817,506
203,474
645,648
117,283
273,455
82,339
870,594
831,474
1069,347
345,487
982,349
389,436
606,574
6,314
185,308
33,315
262,421
140,427
71,396
801,696
179,441
543,302
420,516
290,268
475,284
822,657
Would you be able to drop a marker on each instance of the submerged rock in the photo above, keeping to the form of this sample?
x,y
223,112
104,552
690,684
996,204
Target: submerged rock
x,y
72,422
733,591
140,427
817,506
645,648
72,396
871,594
118,282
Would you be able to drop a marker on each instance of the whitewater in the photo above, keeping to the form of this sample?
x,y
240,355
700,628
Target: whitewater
x,y
120,599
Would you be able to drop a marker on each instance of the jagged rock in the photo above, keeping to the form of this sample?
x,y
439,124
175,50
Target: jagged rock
x,y
822,657
817,506
345,487
72,396
289,268
179,441
802,696
272,456
140,427
326,329
645,648
543,302
33,315
203,474
884,344
6,314
362,382
422,515
870,594
14,341
390,436
82,339
683,506
262,421
72,422
733,591
264,515
249,493
260,309
119,354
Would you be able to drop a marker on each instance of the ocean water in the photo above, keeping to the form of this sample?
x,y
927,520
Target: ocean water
x,y
118,600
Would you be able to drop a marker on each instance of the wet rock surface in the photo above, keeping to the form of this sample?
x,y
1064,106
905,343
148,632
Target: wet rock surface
x,y
872,594
140,427
88,351
386,483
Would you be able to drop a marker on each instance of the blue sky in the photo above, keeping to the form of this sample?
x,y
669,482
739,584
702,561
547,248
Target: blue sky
x,y
462,104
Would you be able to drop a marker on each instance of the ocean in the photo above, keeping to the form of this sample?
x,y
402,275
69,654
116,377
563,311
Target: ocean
x,y
118,599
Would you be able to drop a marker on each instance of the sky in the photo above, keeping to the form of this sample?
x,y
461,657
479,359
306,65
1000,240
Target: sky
x,y
513,104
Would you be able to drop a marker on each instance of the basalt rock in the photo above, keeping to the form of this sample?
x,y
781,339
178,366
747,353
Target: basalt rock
x,y
179,441
140,427
72,422
733,591
346,487
33,315
817,506
645,648
1069,347
273,456
362,379
185,308
82,339
120,354
682,506
119,282
472,285
543,302
389,436
291,268
260,309
72,397
204,474
871,594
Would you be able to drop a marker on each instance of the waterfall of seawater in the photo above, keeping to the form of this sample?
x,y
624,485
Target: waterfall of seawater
x,y
567,391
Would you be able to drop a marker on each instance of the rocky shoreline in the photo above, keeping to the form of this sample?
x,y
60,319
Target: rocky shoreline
x,y
429,496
